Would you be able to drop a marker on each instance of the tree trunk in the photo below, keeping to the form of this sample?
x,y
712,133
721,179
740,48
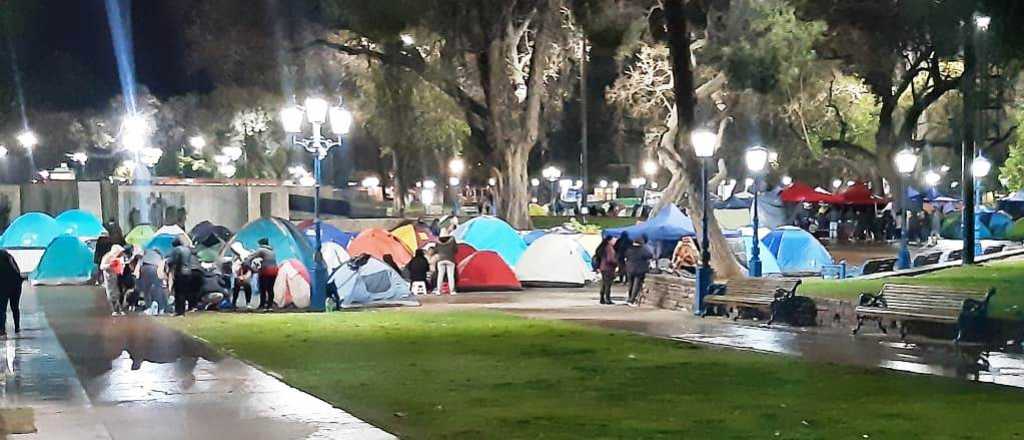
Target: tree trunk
x,y
398,185
687,168
516,188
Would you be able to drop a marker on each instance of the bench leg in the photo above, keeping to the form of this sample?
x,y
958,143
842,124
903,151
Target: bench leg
x,y
775,308
903,330
860,323
881,327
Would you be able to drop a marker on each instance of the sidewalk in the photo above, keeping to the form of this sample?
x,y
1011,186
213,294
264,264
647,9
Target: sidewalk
x,y
136,379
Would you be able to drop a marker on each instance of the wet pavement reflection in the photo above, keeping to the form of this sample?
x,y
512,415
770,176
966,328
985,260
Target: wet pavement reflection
x,y
817,344
89,375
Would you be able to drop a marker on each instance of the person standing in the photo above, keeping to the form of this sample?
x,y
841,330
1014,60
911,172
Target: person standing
x,y
150,283
606,264
184,266
112,266
638,263
10,291
264,263
445,252
621,246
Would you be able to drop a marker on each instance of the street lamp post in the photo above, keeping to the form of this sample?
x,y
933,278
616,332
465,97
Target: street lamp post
x,y
906,163
757,161
980,168
704,145
317,112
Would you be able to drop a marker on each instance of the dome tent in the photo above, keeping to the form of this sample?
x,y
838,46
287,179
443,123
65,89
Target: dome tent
x,y
369,282
1016,232
67,260
952,226
463,251
486,271
286,240
162,243
414,235
998,223
488,233
140,235
334,255
378,243
328,233
769,265
292,286
30,230
796,250
209,235
553,260
81,224
669,225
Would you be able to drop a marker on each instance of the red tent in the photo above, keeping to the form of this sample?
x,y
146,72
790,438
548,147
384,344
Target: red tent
x,y
486,271
463,252
859,194
800,192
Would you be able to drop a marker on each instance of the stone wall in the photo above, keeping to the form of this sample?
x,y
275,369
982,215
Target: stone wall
x,y
669,292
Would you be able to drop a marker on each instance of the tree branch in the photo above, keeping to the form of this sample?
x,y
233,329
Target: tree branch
x,y
836,144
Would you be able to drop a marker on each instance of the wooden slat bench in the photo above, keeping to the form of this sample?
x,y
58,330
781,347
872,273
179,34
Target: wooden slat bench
x,y
927,259
905,304
755,293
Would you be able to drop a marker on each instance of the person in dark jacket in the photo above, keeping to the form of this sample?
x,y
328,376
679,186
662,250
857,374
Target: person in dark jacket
x,y
638,262
10,291
621,246
264,263
606,264
187,276
418,267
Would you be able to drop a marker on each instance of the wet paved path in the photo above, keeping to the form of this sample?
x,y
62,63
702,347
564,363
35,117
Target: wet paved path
x,y
87,375
819,344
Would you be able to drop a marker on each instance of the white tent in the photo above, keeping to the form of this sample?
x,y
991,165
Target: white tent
x,y
174,230
334,255
292,285
553,260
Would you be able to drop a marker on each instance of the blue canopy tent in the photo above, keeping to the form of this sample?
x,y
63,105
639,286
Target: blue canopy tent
x,y
31,230
737,201
492,234
81,224
368,282
662,231
796,250
532,236
67,260
286,240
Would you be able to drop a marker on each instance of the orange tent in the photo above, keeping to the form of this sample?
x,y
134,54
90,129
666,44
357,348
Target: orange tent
x,y
378,243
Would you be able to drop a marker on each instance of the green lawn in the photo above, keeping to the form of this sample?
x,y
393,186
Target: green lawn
x,y
471,375
546,222
1006,277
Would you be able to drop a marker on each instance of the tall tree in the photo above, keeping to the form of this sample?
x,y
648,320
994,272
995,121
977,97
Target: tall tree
x,y
505,63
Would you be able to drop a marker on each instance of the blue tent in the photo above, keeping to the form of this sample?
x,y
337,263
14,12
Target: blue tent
x,y
998,223
66,261
31,230
532,236
737,201
369,282
286,240
492,234
669,225
81,224
796,250
769,265
162,243
328,233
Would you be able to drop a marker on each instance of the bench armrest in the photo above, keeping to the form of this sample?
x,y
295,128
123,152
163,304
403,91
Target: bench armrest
x,y
871,300
977,307
783,293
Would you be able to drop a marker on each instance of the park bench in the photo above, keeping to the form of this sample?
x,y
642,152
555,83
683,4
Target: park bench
x,y
754,293
966,309
927,259
993,250
878,266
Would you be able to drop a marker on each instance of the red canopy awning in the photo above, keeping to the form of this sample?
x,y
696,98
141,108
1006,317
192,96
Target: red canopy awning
x,y
800,192
859,194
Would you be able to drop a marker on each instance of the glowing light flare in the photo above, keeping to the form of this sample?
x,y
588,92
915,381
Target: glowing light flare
x,y
28,139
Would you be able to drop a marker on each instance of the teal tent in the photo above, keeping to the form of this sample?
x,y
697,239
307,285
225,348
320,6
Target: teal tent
x,y
66,261
81,224
31,230
796,250
286,240
492,234
162,243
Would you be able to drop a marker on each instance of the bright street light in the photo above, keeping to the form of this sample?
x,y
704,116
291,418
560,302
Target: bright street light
x,y
291,119
650,168
906,161
837,183
3,151
228,170
28,139
407,39
492,181
552,173
757,159
316,110
983,22
534,182
454,181
638,181
457,166
602,184
79,157
232,153
371,182
786,180
134,132
197,143
704,143
981,167
932,178
341,121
